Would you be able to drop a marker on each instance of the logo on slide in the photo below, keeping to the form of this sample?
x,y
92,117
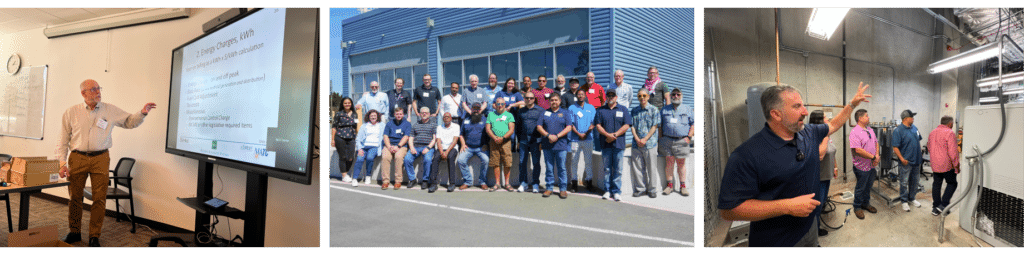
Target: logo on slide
x,y
260,152
215,144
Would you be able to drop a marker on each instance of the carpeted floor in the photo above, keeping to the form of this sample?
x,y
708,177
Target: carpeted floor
x,y
45,212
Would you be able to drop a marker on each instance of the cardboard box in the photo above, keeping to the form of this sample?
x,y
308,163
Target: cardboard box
x,y
36,237
32,171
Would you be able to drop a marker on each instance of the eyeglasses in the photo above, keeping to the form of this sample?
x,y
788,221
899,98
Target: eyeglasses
x,y
677,95
499,104
530,98
93,90
642,96
542,80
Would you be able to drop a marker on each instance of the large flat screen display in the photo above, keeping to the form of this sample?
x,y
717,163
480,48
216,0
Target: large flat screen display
x,y
243,95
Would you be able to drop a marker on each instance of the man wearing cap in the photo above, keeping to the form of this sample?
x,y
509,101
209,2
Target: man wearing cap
x,y
906,144
612,122
569,97
473,140
674,142
771,179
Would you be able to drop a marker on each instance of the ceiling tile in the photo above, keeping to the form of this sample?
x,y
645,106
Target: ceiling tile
x,y
35,15
70,14
4,17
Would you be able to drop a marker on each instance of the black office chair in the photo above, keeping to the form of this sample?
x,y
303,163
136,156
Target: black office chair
x,y
122,177
6,197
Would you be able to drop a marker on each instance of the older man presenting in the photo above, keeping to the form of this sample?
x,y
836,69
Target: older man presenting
x,y
85,132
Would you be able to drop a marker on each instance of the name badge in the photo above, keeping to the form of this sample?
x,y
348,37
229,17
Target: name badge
x,y
618,114
547,95
102,123
492,97
466,122
502,118
580,114
426,94
508,99
673,120
591,91
479,96
398,131
547,114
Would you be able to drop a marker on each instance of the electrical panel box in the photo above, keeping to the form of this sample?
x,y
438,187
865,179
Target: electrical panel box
x,y
1000,215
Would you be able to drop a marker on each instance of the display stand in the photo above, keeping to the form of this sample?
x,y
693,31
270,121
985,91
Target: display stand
x,y
255,213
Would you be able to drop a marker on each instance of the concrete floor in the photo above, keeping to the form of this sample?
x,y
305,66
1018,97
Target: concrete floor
x,y
370,217
891,226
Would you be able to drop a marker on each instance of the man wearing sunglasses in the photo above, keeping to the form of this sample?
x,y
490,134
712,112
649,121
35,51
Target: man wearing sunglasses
x,y
772,177
674,143
529,143
542,92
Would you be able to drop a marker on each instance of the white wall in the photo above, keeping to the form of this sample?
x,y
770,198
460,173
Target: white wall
x,y
133,67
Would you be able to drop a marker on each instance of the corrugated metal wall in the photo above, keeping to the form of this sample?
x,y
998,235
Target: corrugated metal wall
x,y
382,28
601,46
661,37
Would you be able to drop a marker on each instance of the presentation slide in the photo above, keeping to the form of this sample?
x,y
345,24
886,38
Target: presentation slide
x,y
222,75
244,91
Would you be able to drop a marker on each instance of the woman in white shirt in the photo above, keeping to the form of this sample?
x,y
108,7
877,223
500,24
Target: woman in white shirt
x,y
368,144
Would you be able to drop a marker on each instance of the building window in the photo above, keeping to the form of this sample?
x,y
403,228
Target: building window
x,y
537,62
452,73
357,86
406,75
477,66
387,80
417,76
573,60
505,66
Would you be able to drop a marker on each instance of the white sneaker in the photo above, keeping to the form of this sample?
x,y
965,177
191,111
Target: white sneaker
x,y
355,184
521,188
616,197
605,196
906,207
367,182
916,204
346,179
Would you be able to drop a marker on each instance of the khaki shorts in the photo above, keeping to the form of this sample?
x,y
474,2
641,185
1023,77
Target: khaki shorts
x,y
668,146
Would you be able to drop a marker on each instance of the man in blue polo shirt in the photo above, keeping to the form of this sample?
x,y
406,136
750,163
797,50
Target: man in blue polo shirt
x,y
771,178
473,139
529,143
553,128
612,122
579,139
906,144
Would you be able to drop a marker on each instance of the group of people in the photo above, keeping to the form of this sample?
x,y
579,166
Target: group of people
x,y
780,177
564,123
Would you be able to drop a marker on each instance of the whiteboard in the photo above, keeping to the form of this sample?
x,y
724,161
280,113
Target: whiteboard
x,y
23,103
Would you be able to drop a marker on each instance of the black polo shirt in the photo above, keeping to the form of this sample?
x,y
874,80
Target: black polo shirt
x,y
765,167
399,99
425,97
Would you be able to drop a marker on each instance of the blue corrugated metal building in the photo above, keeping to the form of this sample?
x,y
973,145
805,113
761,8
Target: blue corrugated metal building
x,y
451,44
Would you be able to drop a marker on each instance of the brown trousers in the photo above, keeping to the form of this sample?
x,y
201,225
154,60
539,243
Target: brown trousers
x,y
399,158
96,168
501,154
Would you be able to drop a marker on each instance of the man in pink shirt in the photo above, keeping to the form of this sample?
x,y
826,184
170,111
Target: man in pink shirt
x,y
944,157
864,146
542,91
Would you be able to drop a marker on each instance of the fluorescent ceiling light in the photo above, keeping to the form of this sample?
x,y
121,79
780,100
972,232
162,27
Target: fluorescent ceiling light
x,y
988,99
1007,78
825,21
974,55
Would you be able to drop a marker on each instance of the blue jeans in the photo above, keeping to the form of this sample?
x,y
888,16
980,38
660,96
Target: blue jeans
x,y
427,158
612,169
529,151
464,164
555,162
862,193
909,176
370,153
821,196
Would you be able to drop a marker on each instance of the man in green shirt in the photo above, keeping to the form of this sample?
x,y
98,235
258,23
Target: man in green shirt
x,y
499,122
